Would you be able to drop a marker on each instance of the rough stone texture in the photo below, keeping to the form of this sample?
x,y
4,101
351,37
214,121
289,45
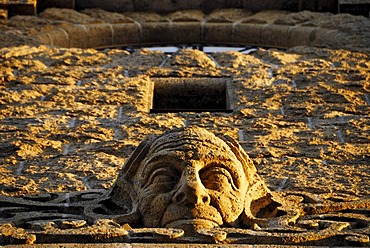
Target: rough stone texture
x,y
189,178
192,58
69,119
106,16
228,15
185,186
67,15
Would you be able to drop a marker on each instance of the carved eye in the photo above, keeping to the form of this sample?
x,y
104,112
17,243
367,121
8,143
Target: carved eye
x,y
163,179
216,177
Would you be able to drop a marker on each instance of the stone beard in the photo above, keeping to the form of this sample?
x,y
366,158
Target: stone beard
x,y
190,179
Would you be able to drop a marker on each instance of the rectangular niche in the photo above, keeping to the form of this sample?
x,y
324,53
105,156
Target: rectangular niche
x,y
170,95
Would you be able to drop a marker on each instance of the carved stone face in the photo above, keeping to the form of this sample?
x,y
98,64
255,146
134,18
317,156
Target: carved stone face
x,y
196,183
189,178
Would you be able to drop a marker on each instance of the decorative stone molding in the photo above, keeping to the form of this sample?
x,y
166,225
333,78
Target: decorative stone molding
x,y
189,28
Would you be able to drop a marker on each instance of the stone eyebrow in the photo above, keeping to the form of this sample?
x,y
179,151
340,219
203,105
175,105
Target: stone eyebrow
x,y
234,172
156,160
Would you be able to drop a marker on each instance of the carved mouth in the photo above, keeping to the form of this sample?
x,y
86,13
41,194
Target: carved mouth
x,y
196,223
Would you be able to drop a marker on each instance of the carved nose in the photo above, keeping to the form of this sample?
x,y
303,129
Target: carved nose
x,y
191,193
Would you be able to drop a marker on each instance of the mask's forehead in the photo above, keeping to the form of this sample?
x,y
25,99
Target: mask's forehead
x,y
190,137
189,150
179,151
186,143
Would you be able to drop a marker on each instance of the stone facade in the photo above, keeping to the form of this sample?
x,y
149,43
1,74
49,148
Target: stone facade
x,y
71,117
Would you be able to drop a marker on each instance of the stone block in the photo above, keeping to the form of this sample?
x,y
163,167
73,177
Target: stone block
x,y
218,33
186,16
275,35
156,33
187,32
58,37
323,36
126,34
300,36
99,35
43,38
248,33
78,35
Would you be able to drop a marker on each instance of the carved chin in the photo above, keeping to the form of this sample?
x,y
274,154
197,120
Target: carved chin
x,y
192,224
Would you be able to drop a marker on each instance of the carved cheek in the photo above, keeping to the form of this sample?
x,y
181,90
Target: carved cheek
x,y
230,204
152,208
227,190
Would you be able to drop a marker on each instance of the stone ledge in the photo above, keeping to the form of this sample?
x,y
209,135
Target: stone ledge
x,y
105,35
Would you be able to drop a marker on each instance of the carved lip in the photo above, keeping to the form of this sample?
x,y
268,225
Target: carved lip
x,y
202,223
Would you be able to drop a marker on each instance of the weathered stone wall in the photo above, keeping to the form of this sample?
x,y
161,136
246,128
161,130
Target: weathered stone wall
x,y
69,119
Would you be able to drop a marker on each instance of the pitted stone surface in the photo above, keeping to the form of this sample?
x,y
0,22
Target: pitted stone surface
x,y
71,117
186,186
189,178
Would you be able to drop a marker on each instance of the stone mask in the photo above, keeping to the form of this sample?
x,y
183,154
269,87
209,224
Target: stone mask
x,y
190,179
